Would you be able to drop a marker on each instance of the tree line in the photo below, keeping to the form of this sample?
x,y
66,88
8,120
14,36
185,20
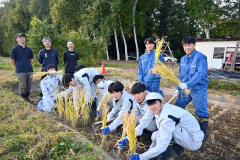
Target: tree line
x,y
115,28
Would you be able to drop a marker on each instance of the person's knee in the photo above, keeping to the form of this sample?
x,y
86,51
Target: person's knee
x,y
154,136
47,108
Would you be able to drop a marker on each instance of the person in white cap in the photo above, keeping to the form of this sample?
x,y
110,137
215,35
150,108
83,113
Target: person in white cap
x,y
177,130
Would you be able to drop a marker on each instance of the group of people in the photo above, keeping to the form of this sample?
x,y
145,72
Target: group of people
x,y
171,128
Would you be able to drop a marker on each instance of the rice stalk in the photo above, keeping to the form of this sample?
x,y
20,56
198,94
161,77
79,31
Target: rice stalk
x,y
126,114
130,129
159,44
103,102
60,105
73,113
104,123
85,107
163,71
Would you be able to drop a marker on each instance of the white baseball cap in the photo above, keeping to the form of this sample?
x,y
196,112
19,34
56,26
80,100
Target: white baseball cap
x,y
154,95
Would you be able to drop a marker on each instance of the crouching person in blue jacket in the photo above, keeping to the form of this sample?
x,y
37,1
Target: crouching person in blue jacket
x,y
177,130
50,88
193,73
122,101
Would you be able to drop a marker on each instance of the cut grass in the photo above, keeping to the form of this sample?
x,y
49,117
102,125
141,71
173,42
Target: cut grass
x,y
120,64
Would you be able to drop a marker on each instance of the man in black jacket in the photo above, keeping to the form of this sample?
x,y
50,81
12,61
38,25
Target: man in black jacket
x,y
48,55
70,58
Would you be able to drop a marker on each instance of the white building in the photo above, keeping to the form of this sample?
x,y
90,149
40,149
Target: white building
x,y
216,50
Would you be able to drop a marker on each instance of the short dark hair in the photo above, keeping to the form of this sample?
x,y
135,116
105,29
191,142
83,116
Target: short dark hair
x,y
188,40
52,66
79,67
149,40
96,77
115,87
138,88
153,101
66,79
70,41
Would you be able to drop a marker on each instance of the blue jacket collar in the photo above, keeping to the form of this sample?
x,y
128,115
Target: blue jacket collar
x,y
187,56
152,52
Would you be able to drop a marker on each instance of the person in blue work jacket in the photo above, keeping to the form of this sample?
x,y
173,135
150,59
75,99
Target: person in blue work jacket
x,y
147,61
193,73
48,55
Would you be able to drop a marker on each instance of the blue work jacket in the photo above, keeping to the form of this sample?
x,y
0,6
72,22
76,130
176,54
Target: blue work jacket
x,y
193,71
147,61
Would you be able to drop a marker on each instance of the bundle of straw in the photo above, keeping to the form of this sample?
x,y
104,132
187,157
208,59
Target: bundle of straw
x,y
38,75
161,69
130,129
159,44
104,122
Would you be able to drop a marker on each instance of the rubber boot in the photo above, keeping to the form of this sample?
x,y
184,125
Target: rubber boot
x,y
147,135
177,150
93,109
27,98
204,125
166,155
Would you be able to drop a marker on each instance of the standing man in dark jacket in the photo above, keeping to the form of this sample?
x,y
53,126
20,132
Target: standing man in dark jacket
x,y
21,58
48,55
70,58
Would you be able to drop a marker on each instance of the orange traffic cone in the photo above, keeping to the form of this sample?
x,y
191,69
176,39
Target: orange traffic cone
x,y
103,69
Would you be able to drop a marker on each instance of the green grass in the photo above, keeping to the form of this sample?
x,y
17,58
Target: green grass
x,y
120,64
224,86
7,66
28,134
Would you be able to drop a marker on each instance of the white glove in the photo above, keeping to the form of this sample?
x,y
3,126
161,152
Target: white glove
x,y
52,73
108,119
183,85
176,93
151,146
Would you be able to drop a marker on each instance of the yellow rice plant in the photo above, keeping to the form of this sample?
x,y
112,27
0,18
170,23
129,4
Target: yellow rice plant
x,y
38,75
73,113
60,105
159,44
161,69
130,121
103,102
104,122
85,107
125,119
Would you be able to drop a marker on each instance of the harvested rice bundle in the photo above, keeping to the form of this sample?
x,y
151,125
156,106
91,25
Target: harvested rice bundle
x,y
104,122
130,129
103,102
159,44
125,119
161,69
38,75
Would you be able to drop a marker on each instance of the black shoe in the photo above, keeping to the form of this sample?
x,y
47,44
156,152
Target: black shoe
x,y
147,135
204,125
177,150
119,134
28,100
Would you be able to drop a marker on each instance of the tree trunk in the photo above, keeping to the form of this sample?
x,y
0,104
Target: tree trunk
x,y
134,30
116,41
207,32
106,49
124,39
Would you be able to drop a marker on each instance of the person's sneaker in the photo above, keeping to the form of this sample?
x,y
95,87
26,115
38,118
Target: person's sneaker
x,y
147,135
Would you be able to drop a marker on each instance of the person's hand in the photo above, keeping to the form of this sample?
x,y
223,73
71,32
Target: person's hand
x,y
176,93
97,113
105,130
122,143
134,157
183,85
52,73
151,146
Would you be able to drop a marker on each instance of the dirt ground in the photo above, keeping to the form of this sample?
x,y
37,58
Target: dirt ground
x,y
223,135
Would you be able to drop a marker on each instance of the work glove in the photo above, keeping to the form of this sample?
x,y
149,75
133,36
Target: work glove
x,y
151,146
183,86
97,113
122,143
176,93
109,119
134,157
52,73
105,130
